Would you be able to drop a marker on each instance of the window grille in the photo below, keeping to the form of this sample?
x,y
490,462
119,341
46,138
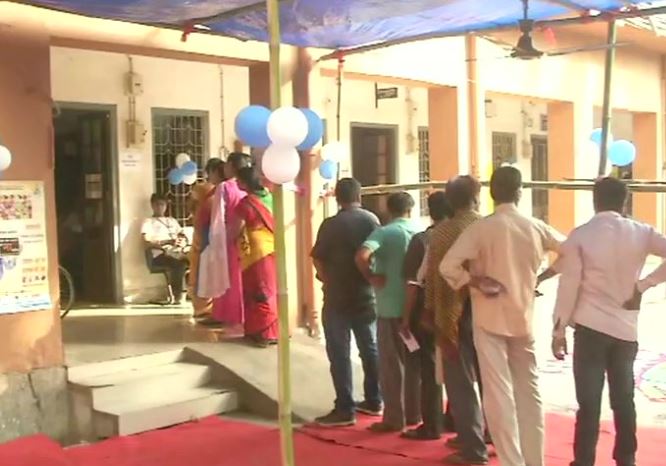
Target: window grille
x,y
174,132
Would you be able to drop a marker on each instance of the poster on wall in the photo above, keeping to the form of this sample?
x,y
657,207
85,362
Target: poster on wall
x,y
24,282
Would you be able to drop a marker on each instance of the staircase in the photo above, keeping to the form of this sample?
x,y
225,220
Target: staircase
x,y
132,395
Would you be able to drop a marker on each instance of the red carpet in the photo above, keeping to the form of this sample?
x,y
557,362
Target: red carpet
x,y
559,442
217,442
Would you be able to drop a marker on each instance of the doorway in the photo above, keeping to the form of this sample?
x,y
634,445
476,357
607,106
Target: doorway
x,y
85,201
374,162
540,173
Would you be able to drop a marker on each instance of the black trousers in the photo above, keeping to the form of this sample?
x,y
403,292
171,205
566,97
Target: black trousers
x,y
176,269
431,391
597,355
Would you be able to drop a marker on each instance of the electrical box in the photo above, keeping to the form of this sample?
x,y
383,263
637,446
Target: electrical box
x,y
136,133
133,84
491,108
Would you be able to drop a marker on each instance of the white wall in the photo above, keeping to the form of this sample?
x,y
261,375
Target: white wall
x,y
520,116
408,112
98,77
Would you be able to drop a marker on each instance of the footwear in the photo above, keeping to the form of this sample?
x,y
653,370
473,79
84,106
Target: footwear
x,y
336,419
454,443
382,428
420,433
457,458
368,408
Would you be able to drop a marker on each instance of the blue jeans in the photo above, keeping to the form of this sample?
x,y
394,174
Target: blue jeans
x,y
337,330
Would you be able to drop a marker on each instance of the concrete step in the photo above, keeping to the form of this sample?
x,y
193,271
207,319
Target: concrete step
x,y
131,416
88,371
142,383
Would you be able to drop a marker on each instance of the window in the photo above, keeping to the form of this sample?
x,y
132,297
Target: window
x,y
424,166
504,149
176,131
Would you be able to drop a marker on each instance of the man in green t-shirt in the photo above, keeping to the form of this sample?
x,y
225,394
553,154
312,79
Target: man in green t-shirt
x,y
380,260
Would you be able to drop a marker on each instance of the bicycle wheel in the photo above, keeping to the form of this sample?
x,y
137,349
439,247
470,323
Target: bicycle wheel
x,y
67,294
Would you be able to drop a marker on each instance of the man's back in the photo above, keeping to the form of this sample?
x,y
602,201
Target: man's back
x,y
508,247
606,257
389,245
339,238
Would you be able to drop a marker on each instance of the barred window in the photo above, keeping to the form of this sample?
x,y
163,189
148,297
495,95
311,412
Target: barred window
x,y
504,148
424,166
175,132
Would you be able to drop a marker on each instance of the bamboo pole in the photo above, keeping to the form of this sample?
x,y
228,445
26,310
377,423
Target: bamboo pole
x,y
567,185
608,83
284,369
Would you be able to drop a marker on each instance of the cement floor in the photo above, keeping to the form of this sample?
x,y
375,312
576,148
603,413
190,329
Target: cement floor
x,y
94,335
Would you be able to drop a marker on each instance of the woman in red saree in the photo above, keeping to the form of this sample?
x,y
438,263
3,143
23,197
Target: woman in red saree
x,y
257,254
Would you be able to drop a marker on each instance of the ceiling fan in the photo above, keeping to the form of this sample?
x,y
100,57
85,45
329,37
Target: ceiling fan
x,y
525,49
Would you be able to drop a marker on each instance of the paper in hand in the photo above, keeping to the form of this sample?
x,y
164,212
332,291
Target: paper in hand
x,y
409,341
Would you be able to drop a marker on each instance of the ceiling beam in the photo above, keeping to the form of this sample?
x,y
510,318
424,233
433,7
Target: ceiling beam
x,y
605,16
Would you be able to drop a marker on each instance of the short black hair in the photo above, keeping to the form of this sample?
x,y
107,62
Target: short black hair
x,y
438,206
347,191
461,192
610,194
250,178
239,160
505,185
399,204
156,197
215,165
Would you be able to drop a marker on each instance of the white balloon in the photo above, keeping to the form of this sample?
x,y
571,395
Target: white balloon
x,y
336,151
287,127
190,179
182,159
5,158
280,164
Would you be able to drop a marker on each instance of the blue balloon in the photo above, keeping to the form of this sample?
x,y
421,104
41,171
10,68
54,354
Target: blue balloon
x,y
315,130
252,126
175,176
189,168
328,169
622,153
595,136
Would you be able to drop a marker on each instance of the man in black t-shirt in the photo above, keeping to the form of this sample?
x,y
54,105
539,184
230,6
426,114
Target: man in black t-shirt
x,y
349,304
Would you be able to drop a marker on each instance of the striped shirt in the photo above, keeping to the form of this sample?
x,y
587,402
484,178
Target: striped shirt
x,y
440,298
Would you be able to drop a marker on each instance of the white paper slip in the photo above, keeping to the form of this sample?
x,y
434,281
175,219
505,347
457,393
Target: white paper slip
x,y
410,342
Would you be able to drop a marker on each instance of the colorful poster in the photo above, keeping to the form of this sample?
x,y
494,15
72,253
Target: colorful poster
x,y
24,280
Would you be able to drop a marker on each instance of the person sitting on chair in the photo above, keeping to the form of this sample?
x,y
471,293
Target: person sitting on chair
x,y
168,246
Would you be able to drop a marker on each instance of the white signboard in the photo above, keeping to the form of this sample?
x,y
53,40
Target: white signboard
x,y
24,278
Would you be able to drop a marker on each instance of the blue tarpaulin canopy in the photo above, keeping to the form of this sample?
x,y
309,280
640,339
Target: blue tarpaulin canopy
x,y
335,24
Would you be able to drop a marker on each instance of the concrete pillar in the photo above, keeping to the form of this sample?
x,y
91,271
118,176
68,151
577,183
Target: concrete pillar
x,y
561,164
305,201
443,132
33,395
645,166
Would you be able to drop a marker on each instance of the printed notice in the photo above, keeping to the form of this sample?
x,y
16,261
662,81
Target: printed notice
x,y
24,283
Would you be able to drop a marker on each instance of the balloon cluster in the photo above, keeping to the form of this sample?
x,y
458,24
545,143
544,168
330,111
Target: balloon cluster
x,y
282,133
5,158
620,153
185,171
331,155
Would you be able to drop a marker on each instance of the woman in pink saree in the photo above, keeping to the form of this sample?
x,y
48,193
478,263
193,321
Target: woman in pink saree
x,y
223,205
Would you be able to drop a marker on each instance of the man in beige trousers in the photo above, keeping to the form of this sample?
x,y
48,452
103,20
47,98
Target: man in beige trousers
x,y
498,258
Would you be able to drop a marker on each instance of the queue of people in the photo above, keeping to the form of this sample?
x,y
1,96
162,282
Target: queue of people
x,y
232,279
455,305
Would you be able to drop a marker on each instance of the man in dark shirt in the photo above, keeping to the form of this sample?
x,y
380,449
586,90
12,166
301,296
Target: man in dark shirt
x,y
349,304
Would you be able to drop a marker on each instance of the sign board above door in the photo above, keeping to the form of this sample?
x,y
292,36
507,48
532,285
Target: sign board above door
x,y
385,93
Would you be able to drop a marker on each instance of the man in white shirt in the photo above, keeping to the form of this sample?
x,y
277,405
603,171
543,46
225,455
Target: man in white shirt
x,y
166,244
503,252
599,294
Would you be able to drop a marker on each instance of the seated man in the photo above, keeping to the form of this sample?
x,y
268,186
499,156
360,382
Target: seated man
x,y
168,245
